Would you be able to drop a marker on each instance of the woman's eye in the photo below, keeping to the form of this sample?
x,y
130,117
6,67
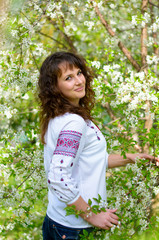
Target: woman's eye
x,y
68,78
79,73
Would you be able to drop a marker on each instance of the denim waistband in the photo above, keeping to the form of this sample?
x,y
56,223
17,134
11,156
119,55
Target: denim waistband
x,y
58,224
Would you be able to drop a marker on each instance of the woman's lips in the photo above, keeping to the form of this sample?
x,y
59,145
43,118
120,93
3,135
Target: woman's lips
x,y
79,89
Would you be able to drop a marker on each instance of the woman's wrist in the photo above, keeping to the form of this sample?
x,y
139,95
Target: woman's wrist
x,y
117,160
88,214
129,158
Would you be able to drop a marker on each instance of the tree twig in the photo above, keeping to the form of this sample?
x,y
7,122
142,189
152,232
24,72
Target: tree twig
x,y
34,60
12,193
103,21
64,35
26,178
44,34
129,56
112,115
153,4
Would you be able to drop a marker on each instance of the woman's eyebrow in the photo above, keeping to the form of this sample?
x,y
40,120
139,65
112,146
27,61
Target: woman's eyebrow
x,y
69,73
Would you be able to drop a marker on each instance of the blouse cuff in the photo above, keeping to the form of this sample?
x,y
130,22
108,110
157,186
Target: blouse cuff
x,y
74,200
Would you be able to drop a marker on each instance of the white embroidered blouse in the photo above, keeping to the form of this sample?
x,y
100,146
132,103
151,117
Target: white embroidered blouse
x,y
75,161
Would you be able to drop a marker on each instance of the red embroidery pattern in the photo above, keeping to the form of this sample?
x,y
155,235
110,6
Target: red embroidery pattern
x,y
68,143
96,131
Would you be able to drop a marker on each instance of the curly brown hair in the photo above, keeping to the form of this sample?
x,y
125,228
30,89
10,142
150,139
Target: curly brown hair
x,y
52,102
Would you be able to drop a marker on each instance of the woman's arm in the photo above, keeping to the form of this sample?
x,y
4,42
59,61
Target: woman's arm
x,y
103,220
116,160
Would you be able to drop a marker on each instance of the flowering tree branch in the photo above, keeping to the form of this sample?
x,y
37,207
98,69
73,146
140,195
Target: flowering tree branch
x,y
120,126
58,42
143,67
26,178
12,193
129,56
112,34
153,4
154,33
136,146
34,59
111,114
155,44
103,21
63,34
144,37
40,32
148,121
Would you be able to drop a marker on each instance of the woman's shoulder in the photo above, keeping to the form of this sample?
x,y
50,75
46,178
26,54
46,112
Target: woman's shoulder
x,y
65,119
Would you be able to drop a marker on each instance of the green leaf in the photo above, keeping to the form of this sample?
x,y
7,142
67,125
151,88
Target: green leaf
x,y
89,202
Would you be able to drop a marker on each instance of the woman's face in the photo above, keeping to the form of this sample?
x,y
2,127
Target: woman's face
x,y
71,83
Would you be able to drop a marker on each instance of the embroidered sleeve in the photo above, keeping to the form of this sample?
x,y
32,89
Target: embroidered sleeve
x,y
68,143
64,162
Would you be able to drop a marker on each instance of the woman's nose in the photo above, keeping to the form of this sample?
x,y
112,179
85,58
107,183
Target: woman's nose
x,y
78,80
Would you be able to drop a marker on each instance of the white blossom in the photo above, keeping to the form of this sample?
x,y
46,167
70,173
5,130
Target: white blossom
x,y
76,3
156,190
112,5
133,21
89,24
96,64
106,68
8,113
72,9
141,75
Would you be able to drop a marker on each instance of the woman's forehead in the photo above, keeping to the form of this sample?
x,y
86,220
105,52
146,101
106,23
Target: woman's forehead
x,y
64,66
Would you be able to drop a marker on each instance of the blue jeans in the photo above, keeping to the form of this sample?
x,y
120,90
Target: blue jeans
x,y
55,231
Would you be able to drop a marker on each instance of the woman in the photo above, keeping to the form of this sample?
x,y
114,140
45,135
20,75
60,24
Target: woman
x,y
75,156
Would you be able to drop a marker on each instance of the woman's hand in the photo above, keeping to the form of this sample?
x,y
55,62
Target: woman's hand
x,y
104,220
132,157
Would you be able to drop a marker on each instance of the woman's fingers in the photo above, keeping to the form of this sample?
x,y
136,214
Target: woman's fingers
x,y
104,220
106,228
112,215
111,210
110,223
151,158
133,157
114,221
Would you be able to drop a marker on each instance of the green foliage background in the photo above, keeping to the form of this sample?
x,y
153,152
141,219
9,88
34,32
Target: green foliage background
x,y
126,108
